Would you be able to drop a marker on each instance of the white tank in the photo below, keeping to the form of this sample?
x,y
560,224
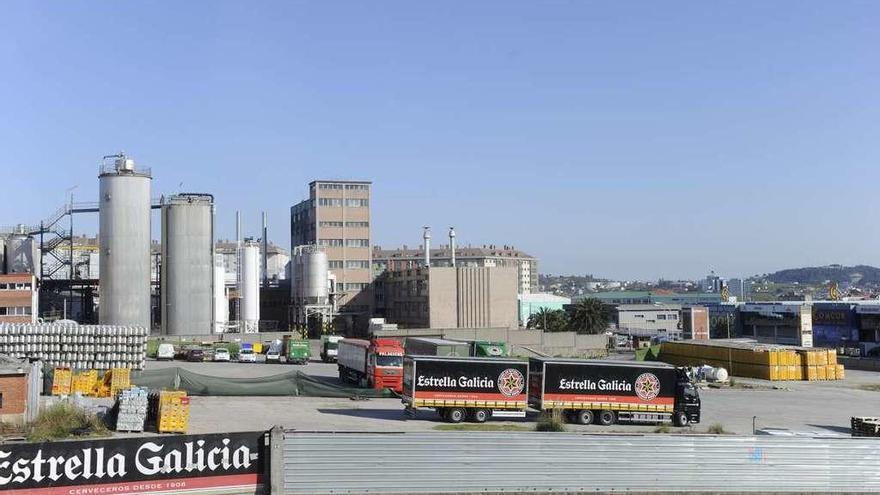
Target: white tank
x,y
2,255
312,277
124,239
221,303
22,254
717,375
250,286
187,264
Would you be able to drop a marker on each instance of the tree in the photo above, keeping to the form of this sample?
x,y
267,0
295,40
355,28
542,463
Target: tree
x,y
550,320
589,316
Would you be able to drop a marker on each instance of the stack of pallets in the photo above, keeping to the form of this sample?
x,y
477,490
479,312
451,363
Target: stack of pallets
x,y
864,426
131,409
61,381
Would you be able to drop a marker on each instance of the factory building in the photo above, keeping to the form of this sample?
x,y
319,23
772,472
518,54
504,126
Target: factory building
x,y
613,298
648,320
483,256
18,298
452,297
336,218
788,323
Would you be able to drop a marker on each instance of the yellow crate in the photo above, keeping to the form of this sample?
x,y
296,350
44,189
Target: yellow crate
x,y
820,373
840,373
831,372
832,356
810,373
61,381
84,382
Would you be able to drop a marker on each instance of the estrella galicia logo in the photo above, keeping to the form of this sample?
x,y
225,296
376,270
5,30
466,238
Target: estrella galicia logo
x,y
647,386
511,382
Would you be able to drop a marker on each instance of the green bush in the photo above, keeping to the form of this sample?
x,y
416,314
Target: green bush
x,y
63,420
550,421
716,429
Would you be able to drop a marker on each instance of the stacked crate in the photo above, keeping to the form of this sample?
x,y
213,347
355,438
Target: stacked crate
x,y
753,360
68,345
114,380
84,382
61,381
131,409
170,408
863,426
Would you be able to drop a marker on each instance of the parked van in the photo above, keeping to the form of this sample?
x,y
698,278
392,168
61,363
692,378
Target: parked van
x,y
165,352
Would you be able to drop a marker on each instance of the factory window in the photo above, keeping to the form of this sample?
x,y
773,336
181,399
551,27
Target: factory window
x,y
356,286
330,186
357,243
15,311
330,224
357,187
661,317
4,287
330,242
357,202
673,317
329,202
357,224
24,286
334,264
357,264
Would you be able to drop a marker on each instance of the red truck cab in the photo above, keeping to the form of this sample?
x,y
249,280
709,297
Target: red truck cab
x,y
376,363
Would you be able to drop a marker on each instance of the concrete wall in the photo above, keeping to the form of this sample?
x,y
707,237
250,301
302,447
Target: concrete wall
x,y
442,304
522,342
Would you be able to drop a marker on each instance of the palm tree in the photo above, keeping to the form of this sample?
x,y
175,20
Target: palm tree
x,y
589,316
549,320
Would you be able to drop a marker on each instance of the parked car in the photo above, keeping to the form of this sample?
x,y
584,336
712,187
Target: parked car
x,y
273,355
221,354
195,355
165,352
246,355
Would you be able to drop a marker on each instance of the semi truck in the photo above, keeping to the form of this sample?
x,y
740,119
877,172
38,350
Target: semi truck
x,y
296,351
606,392
427,346
465,388
376,363
329,348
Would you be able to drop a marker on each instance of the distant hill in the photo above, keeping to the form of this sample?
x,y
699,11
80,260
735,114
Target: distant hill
x,y
857,275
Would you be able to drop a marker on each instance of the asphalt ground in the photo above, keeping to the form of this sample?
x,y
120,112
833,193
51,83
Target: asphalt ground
x,y
806,407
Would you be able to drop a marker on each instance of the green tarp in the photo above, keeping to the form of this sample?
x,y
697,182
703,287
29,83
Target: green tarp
x,y
294,383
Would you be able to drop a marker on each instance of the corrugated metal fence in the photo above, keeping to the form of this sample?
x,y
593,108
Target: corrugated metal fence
x,y
520,462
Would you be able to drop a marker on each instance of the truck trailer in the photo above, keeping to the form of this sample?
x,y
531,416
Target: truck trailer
x,y
296,351
461,388
330,348
606,392
428,346
373,363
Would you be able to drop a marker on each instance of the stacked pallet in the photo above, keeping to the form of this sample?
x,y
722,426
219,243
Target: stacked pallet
x,y
863,426
170,408
753,360
68,345
114,381
131,409
84,382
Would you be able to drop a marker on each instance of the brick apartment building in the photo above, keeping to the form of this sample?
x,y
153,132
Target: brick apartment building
x,y
18,298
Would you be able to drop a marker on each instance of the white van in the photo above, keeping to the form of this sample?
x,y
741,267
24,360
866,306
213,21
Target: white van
x,y
165,352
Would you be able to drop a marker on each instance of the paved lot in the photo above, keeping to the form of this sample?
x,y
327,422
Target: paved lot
x,y
799,406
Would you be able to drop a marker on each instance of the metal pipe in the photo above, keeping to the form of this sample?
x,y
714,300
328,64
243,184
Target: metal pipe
x,y
238,266
265,253
452,245
427,237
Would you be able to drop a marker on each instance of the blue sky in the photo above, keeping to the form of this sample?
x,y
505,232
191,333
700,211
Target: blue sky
x,y
624,139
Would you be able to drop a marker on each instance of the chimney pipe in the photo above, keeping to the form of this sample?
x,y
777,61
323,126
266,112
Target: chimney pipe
x,y
452,244
265,253
427,237
238,265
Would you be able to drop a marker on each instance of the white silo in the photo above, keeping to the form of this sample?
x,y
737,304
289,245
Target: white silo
x,y
187,264
250,286
124,239
221,302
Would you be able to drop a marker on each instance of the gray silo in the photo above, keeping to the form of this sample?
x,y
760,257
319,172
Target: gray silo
x,y
124,239
187,264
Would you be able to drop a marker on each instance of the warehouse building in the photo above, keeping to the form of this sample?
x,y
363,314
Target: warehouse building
x,y
660,320
18,298
530,304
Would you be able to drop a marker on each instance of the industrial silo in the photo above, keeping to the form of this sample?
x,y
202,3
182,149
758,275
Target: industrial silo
x,y
221,303
22,254
2,255
187,278
124,239
250,286
315,269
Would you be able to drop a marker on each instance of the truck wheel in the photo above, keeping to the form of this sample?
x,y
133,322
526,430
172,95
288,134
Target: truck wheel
x,y
680,419
455,415
584,417
480,415
606,417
